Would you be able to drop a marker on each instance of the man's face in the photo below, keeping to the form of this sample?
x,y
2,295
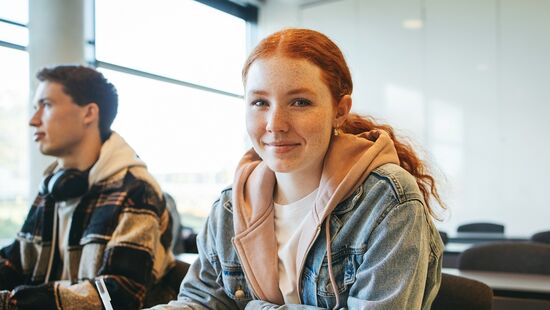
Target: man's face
x,y
58,121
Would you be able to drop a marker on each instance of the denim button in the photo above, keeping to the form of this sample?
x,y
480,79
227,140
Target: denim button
x,y
239,294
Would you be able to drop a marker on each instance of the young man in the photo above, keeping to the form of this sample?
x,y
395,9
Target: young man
x,y
99,214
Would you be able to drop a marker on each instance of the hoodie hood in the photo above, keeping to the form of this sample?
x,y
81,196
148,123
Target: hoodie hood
x,y
115,158
348,162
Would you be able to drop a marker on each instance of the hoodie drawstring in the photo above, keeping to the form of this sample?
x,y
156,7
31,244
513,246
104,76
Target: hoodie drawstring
x,y
329,262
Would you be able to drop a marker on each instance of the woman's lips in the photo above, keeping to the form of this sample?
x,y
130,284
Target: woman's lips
x,y
281,147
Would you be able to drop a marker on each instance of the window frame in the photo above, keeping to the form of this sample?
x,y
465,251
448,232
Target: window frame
x,y
5,240
249,13
9,44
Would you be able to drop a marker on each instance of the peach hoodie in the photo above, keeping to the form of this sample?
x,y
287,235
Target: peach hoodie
x,y
348,162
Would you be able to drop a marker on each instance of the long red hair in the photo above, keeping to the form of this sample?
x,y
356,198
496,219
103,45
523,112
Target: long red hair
x,y
325,54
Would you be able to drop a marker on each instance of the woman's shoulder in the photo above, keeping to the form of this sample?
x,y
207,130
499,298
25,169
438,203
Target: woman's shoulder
x,y
222,208
224,199
395,178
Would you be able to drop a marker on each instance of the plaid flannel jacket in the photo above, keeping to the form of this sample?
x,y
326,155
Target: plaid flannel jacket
x,y
120,231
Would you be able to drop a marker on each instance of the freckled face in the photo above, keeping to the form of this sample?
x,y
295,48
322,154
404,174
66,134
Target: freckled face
x,y
289,115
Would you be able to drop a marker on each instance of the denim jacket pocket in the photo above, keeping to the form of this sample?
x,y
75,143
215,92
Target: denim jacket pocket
x,y
233,281
344,270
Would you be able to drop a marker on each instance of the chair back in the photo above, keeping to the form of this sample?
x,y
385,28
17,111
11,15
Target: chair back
x,y
457,293
168,287
543,237
444,237
517,257
481,227
177,243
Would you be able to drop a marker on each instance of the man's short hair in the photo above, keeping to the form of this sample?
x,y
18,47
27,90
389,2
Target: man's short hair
x,y
86,85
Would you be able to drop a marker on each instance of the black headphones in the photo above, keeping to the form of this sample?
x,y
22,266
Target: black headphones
x,y
65,184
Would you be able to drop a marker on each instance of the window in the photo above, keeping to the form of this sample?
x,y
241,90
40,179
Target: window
x,y
14,141
176,65
190,139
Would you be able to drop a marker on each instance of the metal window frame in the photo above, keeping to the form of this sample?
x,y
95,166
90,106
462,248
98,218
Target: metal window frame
x,y
11,22
161,78
248,13
13,46
9,44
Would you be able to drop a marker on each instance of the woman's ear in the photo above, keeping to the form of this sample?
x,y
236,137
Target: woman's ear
x,y
342,110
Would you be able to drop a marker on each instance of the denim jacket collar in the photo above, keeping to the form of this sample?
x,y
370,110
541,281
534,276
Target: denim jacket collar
x,y
348,162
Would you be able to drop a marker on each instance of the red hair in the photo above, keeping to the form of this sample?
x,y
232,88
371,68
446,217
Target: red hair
x,y
325,54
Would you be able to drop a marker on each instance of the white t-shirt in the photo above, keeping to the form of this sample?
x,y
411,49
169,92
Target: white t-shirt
x,y
65,210
289,222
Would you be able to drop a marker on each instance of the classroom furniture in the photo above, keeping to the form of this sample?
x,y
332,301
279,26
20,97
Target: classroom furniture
x,y
523,286
542,237
481,227
184,239
457,293
517,257
177,242
452,251
511,303
444,237
169,285
478,237
460,241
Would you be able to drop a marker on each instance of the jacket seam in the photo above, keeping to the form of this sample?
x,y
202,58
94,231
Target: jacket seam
x,y
384,215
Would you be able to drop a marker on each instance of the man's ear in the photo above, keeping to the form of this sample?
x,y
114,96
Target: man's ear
x,y
91,114
342,110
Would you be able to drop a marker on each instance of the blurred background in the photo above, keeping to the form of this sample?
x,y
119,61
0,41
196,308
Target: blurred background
x,y
466,82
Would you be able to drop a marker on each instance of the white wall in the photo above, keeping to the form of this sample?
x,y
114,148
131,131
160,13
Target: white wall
x,y
470,87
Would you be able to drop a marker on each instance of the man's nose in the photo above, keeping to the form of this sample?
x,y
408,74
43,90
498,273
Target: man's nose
x,y
35,119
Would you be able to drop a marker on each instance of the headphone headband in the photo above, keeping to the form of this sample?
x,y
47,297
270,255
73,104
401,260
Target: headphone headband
x,y
65,184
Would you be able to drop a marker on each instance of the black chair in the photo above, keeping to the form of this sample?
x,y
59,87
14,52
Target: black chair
x,y
189,240
184,239
444,237
481,228
457,293
543,237
518,257
177,242
168,287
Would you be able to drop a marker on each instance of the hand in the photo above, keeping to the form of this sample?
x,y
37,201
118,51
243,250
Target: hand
x,y
33,297
5,300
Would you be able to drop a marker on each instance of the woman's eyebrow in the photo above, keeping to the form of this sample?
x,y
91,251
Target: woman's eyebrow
x,y
295,91
300,90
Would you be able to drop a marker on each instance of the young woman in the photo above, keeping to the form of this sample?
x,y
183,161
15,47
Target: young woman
x,y
328,209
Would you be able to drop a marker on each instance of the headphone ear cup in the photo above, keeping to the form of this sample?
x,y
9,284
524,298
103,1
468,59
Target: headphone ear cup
x,y
67,184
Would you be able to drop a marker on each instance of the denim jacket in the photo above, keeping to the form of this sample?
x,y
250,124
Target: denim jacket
x,y
386,254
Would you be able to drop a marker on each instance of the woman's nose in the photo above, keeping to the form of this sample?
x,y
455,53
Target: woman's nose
x,y
277,120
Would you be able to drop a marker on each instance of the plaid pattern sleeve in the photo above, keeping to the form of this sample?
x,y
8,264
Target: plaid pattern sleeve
x,y
15,269
121,232
134,247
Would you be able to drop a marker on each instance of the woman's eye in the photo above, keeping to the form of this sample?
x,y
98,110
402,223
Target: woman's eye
x,y
301,102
